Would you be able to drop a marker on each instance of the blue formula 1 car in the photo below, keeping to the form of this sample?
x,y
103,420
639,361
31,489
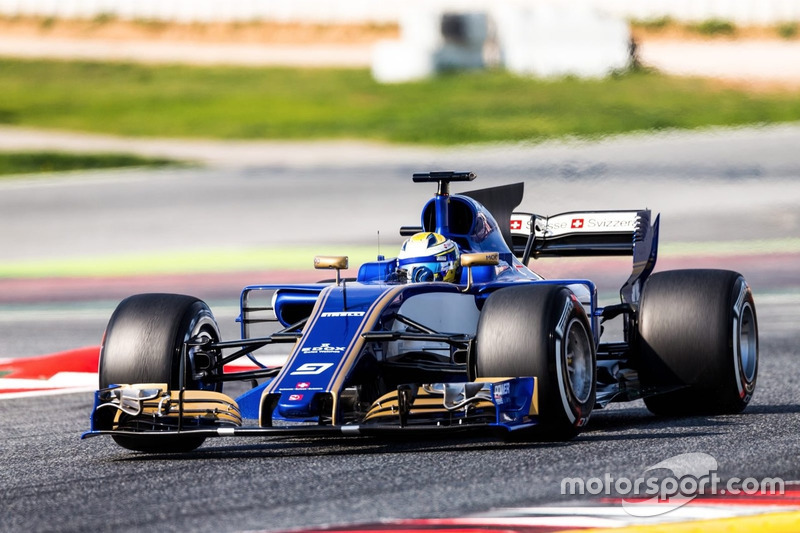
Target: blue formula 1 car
x,y
455,334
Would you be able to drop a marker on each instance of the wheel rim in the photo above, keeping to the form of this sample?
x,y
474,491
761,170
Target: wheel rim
x,y
748,343
578,361
204,328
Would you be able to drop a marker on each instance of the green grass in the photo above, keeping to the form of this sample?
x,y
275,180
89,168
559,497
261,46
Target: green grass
x,y
275,103
788,30
654,24
32,162
713,27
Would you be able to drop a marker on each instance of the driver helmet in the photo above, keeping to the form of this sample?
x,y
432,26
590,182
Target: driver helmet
x,y
429,256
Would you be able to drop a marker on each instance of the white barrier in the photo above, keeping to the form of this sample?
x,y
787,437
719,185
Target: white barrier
x,y
389,11
560,40
542,41
429,43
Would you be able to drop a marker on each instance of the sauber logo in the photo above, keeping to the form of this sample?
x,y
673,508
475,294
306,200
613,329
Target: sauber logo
x,y
342,313
295,397
311,369
577,223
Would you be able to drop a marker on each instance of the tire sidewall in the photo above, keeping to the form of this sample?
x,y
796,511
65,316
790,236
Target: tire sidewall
x,y
689,340
564,402
742,305
145,336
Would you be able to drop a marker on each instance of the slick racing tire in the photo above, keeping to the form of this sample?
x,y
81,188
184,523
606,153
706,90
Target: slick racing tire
x,y
143,343
698,335
541,331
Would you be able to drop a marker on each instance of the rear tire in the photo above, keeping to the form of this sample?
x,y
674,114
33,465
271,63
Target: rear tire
x,y
143,344
541,331
698,334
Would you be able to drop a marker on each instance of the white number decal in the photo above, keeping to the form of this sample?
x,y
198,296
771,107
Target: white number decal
x,y
310,369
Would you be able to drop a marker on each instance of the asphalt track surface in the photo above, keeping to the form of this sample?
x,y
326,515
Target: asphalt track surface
x,y
738,185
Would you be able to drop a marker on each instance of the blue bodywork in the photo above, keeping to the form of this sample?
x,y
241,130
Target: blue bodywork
x,y
376,354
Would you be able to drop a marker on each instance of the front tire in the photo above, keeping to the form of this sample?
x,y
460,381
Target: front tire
x,y
541,331
698,335
143,343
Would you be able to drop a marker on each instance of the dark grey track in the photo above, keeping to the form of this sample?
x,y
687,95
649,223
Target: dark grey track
x,y
52,481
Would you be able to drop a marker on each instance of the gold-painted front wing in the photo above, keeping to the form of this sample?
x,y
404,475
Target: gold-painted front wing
x,y
483,399
424,404
154,403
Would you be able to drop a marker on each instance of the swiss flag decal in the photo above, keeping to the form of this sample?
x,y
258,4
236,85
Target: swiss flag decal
x,y
516,224
577,223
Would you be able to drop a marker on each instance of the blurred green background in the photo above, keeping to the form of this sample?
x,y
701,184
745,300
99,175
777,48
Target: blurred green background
x,y
227,102
284,103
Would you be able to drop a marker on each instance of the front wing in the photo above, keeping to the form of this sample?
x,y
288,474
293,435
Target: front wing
x,y
152,410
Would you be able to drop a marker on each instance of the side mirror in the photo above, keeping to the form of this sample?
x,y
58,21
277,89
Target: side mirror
x,y
337,262
478,259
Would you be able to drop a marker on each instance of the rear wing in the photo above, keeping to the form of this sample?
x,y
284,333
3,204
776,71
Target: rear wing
x,y
577,233
590,233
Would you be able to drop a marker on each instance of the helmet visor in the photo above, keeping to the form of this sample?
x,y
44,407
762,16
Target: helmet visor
x,y
417,272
